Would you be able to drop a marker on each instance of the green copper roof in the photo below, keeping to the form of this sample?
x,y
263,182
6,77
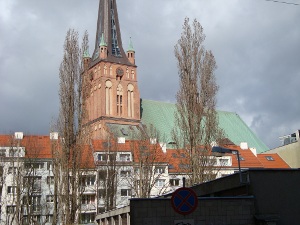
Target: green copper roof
x,y
102,42
86,54
124,130
161,116
130,47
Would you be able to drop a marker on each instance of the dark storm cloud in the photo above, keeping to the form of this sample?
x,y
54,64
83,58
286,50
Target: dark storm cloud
x,y
255,42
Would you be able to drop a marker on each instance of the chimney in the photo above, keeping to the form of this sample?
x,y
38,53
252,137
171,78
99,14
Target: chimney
x,y
121,140
54,136
19,135
244,145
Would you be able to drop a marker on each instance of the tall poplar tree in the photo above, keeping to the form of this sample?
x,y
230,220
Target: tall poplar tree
x,y
196,116
74,136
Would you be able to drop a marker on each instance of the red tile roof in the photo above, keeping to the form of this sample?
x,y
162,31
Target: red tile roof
x,y
250,160
277,161
39,147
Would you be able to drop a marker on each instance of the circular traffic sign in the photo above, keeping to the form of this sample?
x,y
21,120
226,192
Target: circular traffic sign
x,y
184,201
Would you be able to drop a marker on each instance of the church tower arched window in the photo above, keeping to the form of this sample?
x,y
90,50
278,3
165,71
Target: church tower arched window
x,y
108,99
105,69
130,100
119,100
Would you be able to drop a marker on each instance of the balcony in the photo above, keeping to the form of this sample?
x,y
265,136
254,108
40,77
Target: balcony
x,y
88,207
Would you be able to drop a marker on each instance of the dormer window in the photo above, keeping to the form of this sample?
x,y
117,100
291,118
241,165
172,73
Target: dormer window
x,y
269,158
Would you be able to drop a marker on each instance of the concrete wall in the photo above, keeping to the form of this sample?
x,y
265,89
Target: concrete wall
x,y
289,153
277,194
210,211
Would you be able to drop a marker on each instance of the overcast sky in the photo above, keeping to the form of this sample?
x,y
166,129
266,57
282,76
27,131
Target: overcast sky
x,y
256,44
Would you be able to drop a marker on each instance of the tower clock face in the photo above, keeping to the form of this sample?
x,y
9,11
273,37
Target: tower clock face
x,y
120,71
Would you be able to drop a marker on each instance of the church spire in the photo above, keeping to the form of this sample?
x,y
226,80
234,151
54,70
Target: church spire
x,y
108,29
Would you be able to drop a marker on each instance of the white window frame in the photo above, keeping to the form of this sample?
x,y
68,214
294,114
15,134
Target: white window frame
x,y
160,182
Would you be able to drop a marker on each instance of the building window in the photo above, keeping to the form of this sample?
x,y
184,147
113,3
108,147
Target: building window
x,y
125,192
10,209
1,174
269,158
119,104
171,166
36,203
34,165
127,72
184,166
49,219
13,152
3,152
125,173
34,183
159,169
11,190
102,174
88,180
130,100
50,180
102,157
124,157
119,100
224,162
101,193
88,199
105,69
87,218
49,166
241,158
36,219
49,198
25,220
160,183
108,98
174,182
12,170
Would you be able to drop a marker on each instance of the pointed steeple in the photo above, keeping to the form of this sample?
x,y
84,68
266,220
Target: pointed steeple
x,y
86,58
108,29
102,41
86,54
131,53
130,47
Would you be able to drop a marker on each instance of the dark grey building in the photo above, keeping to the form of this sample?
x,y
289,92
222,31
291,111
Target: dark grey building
x,y
261,197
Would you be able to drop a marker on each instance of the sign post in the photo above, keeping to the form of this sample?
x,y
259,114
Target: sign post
x,y
184,201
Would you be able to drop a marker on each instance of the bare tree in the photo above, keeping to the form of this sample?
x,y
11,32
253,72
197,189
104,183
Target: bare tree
x,y
149,164
108,173
23,200
73,134
196,117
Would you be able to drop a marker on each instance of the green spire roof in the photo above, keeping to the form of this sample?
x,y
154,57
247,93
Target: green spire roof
x,y
102,42
86,53
130,47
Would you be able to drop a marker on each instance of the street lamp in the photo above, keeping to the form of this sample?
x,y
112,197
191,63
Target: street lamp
x,y
219,149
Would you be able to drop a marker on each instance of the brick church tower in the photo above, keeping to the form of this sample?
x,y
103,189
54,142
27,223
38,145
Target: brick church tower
x,y
113,96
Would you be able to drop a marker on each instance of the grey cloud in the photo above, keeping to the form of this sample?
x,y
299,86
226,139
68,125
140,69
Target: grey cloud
x,y
256,45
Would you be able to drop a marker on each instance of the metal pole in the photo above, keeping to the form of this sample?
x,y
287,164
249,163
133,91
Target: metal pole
x,y
239,163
